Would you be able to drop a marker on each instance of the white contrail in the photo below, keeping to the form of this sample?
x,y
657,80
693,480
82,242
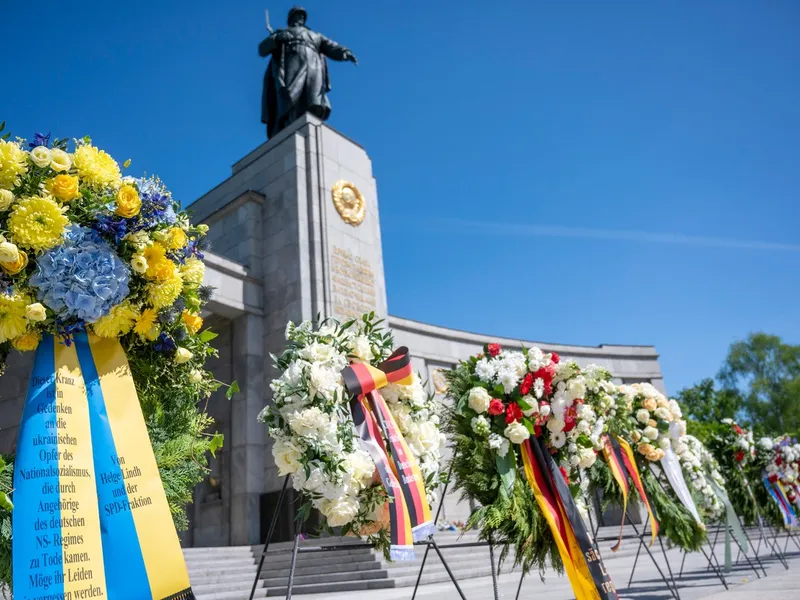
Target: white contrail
x,y
612,234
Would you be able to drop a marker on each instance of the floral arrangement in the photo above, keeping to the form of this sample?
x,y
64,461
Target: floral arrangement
x,y
83,248
736,453
311,425
784,461
502,398
700,468
658,421
651,424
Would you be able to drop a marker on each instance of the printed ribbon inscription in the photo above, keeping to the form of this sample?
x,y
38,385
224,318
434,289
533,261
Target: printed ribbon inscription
x,y
582,561
91,517
409,511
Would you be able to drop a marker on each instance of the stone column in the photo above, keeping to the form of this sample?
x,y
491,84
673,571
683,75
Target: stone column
x,y
248,436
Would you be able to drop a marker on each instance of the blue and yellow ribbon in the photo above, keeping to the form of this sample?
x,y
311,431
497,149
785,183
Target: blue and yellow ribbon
x,y
91,517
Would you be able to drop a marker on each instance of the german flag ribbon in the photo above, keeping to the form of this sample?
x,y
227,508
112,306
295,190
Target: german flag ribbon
x,y
581,559
629,460
91,517
362,382
613,456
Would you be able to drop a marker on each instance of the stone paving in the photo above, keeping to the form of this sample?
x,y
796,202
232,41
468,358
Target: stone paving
x,y
697,582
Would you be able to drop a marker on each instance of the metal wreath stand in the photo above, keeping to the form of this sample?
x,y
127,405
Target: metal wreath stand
x,y
429,543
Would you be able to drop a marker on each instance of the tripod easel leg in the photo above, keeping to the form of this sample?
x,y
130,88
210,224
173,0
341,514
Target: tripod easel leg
x,y
272,525
293,566
673,588
447,568
494,572
747,558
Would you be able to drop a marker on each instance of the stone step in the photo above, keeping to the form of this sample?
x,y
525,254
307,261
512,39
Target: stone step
x,y
278,559
326,578
223,576
325,588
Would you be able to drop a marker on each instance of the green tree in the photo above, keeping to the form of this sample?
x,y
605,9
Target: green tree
x,y
704,403
765,372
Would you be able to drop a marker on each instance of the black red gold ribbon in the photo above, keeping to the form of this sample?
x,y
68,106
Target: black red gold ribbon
x,y
629,460
411,505
612,454
582,562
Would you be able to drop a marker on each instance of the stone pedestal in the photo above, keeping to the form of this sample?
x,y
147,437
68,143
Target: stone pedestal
x,y
276,216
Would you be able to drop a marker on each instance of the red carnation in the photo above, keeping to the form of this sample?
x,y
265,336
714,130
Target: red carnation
x,y
569,424
738,429
526,385
739,456
537,430
493,349
555,357
513,412
496,407
778,461
564,473
773,478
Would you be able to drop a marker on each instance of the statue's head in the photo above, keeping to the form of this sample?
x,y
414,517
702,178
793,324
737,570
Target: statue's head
x,y
297,16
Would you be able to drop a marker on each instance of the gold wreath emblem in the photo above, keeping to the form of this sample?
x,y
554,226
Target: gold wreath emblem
x,y
349,202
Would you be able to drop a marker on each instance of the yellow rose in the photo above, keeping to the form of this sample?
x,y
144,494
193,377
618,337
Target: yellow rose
x,y
196,376
128,202
61,161
64,187
192,322
15,267
6,199
636,436
645,449
653,456
652,423
175,238
35,312
650,404
9,253
182,355
26,342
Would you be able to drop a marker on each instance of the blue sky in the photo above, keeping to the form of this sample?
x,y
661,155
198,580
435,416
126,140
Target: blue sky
x,y
574,172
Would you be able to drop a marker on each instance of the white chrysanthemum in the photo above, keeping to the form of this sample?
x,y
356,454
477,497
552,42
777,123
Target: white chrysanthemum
x,y
486,369
538,387
508,377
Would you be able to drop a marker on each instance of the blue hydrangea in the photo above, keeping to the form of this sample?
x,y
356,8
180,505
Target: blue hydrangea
x,y
82,278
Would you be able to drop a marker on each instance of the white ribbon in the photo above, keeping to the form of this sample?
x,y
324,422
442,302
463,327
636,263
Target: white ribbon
x,y
672,468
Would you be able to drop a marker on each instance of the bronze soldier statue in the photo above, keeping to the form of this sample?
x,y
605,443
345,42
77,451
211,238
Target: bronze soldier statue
x,y
296,80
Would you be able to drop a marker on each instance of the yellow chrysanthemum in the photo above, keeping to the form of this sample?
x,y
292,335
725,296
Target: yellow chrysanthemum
x,y
12,316
192,322
193,271
119,321
13,164
175,238
27,342
37,223
164,293
96,167
146,325
159,267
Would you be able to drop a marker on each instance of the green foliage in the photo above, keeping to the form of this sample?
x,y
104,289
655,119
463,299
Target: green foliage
x,y
705,404
765,371
509,516
6,472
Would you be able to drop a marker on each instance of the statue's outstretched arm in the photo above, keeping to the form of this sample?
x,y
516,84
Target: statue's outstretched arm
x,y
335,51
